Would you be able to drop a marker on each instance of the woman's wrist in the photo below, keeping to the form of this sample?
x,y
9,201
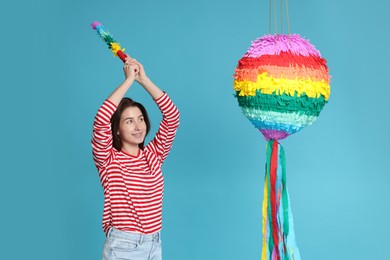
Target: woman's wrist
x,y
144,82
129,81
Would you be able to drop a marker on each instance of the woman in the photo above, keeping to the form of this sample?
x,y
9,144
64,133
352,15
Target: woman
x,y
130,172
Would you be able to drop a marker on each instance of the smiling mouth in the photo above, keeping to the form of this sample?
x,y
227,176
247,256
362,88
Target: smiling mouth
x,y
138,135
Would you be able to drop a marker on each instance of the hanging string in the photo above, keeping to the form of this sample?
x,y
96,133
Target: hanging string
x,y
270,17
281,16
288,18
275,24
273,14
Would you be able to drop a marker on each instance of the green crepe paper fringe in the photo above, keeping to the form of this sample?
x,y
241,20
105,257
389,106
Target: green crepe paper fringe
x,y
283,103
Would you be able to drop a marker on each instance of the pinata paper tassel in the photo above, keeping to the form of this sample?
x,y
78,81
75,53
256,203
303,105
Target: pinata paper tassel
x,y
278,229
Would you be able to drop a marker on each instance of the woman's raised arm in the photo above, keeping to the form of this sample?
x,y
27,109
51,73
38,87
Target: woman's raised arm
x,y
130,68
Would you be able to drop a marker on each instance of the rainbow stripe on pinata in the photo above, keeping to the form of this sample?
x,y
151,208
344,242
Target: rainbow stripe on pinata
x,y
282,84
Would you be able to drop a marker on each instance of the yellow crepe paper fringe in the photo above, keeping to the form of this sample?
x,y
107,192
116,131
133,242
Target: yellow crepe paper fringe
x,y
265,225
115,47
270,85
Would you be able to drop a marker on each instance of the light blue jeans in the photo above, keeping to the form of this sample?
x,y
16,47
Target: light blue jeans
x,y
121,245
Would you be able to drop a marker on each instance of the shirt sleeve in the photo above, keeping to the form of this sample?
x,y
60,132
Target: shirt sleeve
x,y
162,142
101,135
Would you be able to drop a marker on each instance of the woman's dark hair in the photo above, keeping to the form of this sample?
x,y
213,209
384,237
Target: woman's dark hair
x,y
115,119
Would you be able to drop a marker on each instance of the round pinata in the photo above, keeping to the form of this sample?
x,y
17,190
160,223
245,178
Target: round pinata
x,y
281,84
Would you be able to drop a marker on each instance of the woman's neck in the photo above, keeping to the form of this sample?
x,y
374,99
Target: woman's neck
x,y
130,149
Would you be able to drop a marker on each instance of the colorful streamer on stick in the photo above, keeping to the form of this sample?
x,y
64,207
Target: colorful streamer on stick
x,y
107,38
281,84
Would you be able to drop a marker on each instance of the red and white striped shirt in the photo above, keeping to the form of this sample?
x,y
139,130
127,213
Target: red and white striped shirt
x,y
133,185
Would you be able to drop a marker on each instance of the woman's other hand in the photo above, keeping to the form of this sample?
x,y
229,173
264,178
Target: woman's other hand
x,y
140,77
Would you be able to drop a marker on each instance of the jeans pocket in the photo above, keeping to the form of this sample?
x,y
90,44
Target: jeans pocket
x,y
122,249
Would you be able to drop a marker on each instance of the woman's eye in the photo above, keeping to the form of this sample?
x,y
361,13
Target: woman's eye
x,y
141,119
129,121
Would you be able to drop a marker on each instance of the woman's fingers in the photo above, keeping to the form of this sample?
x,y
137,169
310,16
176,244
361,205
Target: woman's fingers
x,y
130,61
133,63
130,69
132,66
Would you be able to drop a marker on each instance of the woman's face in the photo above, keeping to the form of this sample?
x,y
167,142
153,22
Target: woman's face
x,y
132,127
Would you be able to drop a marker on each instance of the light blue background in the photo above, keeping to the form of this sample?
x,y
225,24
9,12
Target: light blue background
x,y
56,72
